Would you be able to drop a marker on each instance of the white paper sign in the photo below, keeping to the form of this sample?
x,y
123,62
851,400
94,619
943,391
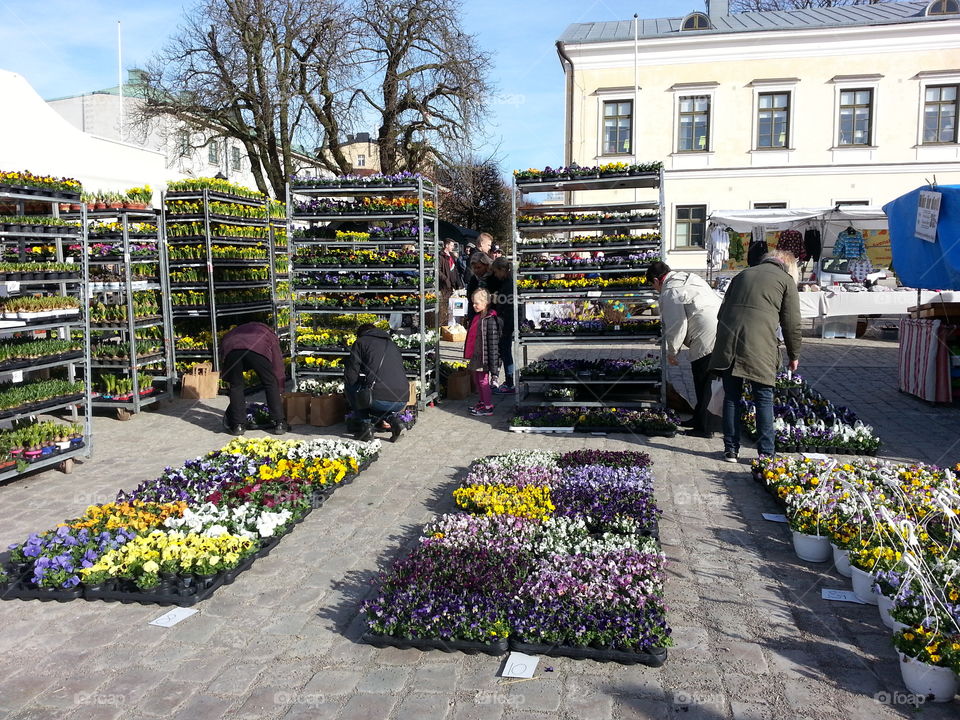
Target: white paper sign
x,y
773,517
594,293
815,456
928,213
173,617
11,287
841,596
520,665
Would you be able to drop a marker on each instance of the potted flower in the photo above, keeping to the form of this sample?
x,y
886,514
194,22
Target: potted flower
x,y
929,661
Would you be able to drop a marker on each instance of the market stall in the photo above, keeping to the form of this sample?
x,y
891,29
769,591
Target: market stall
x,y
924,228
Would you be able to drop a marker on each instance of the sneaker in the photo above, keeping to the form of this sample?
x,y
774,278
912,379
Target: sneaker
x,y
365,435
506,390
475,409
235,430
280,428
484,410
731,457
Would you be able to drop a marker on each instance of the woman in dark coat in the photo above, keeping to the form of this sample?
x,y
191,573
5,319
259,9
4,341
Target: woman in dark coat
x,y
377,358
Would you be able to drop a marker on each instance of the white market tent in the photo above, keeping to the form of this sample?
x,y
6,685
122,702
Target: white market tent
x,y
829,221
34,137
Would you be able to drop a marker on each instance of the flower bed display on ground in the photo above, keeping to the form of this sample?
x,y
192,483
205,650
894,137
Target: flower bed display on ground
x,y
806,421
895,530
174,540
554,556
651,422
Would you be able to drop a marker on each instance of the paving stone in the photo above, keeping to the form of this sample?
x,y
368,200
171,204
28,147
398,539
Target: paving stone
x,y
364,706
265,702
204,707
751,711
234,680
423,707
166,697
435,679
330,682
384,680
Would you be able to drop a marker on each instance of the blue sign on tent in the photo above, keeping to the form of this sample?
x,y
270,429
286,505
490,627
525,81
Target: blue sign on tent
x,y
918,262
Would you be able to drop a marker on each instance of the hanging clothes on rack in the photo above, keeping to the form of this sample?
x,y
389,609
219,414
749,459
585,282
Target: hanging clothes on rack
x,y
812,245
758,246
718,247
849,244
792,241
736,245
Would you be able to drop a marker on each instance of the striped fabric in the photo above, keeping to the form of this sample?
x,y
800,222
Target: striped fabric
x,y
924,361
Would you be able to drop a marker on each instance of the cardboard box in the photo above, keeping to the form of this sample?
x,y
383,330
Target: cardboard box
x,y
413,393
296,407
327,410
200,382
453,333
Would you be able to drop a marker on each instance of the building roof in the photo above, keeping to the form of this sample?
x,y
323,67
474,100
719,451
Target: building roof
x,y
134,87
843,16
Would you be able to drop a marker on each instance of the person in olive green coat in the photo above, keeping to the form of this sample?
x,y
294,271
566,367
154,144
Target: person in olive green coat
x,y
756,302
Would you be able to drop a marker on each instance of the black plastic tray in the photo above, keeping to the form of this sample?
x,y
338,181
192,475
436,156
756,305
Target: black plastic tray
x,y
655,658
465,646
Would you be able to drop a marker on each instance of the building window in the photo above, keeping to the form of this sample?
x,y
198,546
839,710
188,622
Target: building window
x,y
694,124
213,153
691,222
361,160
617,126
856,115
940,114
943,7
769,206
235,158
696,21
773,120
183,143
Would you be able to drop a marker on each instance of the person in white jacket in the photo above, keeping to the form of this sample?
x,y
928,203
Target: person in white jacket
x,y
688,312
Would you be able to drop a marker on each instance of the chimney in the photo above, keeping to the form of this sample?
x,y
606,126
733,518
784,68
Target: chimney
x,y
349,138
717,9
363,137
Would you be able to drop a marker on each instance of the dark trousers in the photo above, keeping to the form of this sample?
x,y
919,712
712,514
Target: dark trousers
x,y
506,357
232,371
378,410
762,400
701,385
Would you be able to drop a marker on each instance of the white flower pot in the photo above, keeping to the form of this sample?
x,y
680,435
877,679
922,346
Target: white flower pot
x,y
841,560
928,680
812,548
863,586
897,625
885,604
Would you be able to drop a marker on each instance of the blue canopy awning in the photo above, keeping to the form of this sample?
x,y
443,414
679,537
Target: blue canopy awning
x,y
918,263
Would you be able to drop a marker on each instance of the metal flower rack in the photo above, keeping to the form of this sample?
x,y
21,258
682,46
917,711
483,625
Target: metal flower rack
x,y
572,255
222,267
379,261
48,260
129,270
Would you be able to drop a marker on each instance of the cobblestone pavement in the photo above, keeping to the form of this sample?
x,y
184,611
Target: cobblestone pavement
x,y
754,639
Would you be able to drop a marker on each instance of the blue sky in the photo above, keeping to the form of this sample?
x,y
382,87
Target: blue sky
x,y
65,48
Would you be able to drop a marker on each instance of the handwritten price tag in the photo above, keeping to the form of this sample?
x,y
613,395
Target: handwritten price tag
x,y
520,665
773,517
173,617
594,293
841,596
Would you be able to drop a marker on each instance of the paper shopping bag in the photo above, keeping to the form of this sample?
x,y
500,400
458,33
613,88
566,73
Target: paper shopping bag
x,y
458,385
296,407
200,382
327,410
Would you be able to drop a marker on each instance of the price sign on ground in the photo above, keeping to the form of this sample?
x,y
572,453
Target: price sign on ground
x,y
520,665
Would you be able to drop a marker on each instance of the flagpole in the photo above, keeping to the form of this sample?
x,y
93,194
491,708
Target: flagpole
x,y
120,74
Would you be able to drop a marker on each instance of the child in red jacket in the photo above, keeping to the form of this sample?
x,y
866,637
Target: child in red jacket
x,y
482,349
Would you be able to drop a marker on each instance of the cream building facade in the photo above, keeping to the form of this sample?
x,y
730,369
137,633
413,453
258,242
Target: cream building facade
x,y
796,109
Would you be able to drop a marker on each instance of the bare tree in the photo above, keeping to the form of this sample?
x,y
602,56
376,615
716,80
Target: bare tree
x,y
739,6
475,196
428,79
260,71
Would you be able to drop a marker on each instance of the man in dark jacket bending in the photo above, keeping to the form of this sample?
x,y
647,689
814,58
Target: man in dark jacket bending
x,y
377,358
252,346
